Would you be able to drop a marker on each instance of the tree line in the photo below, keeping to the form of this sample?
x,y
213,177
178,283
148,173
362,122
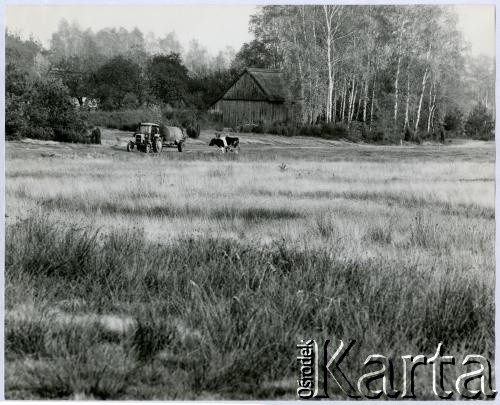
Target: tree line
x,y
109,70
403,69
397,70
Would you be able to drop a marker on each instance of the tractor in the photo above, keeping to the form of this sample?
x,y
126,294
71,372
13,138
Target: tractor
x,y
151,137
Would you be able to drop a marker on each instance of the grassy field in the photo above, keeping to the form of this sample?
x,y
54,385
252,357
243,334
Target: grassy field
x,y
193,275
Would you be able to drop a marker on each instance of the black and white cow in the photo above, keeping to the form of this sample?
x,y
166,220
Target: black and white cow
x,y
225,143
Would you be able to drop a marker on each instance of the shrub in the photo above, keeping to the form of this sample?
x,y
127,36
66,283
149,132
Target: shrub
x,y
284,129
258,129
44,111
480,123
378,135
43,133
193,132
95,137
185,118
441,135
453,120
408,134
125,120
74,133
246,128
129,119
15,119
334,131
130,100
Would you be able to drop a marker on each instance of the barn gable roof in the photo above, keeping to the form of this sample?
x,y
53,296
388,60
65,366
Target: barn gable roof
x,y
270,82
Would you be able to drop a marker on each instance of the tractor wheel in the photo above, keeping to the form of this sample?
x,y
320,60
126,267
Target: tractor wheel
x,y
147,148
180,145
157,146
130,146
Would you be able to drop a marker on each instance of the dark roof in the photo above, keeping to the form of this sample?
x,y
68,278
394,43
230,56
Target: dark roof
x,y
271,83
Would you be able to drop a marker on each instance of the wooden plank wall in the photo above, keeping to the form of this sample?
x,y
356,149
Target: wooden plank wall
x,y
238,112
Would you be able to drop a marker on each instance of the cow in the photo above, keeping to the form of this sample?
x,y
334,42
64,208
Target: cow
x,y
225,143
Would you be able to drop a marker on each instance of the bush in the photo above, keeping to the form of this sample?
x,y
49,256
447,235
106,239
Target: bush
x,y
480,123
95,137
129,119
130,100
325,130
378,136
43,133
184,118
44,111
193,132
15,120
283,129
453,120
408,134
125,120
258,129
71,135
334,131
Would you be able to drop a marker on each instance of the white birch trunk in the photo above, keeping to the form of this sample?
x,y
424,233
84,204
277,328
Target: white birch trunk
x,y
396,91
407,110
344,101
430,108
373,103
396,83
328,21
353,103
424,82
419,110
365,101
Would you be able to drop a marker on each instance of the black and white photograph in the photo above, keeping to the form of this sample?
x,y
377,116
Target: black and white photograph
x,y
258,202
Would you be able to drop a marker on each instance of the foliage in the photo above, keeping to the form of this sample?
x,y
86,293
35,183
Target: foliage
x,y
193,131
168,79
326,131
129,119
253,54
117,82
205,90
96,136
480,123
453,120
20,71
391,67
44,110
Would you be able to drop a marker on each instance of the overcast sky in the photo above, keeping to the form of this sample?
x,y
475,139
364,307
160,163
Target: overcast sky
x,y
215,26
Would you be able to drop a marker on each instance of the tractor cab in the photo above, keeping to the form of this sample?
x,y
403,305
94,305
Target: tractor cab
x,y
148,128
146,138
146,131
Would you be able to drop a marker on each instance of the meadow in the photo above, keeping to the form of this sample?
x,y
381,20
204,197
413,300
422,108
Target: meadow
x,y
194,275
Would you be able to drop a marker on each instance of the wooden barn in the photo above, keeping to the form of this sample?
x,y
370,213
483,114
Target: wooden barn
x,y
257,96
